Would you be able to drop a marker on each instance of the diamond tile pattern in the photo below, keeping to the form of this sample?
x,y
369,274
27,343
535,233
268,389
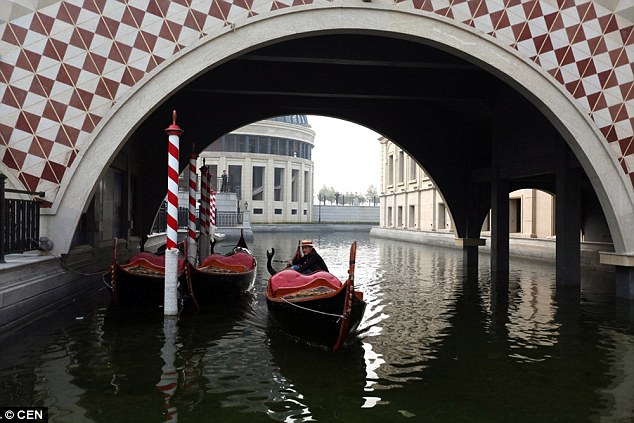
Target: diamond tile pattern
x,y
64,64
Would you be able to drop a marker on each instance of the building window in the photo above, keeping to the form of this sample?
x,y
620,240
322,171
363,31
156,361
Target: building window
x,y
253,144
306,187
257,211
288,148
258,183
294,184
294,211
399,216
306,154
264,145
441,216
240,143
412,216
213,171
390,170
278,184
235,179
412,169
401,167
278,211
389,216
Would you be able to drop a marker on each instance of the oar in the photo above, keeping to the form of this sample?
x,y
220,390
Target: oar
x,y
351,263
347,305
298,252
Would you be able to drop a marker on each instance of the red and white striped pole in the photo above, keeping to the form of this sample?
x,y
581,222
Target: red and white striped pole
x,y
212,208
204,213
170,303
191,223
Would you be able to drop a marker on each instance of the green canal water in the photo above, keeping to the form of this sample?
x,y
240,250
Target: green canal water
x,y
432,347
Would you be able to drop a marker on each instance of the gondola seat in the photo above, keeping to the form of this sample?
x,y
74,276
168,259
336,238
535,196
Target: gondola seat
x,y
238,262
290,281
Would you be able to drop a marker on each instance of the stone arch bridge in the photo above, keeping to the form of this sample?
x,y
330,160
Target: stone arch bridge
x,y
488,95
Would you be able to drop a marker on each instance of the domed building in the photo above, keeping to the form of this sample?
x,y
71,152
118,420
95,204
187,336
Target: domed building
x,y
268,169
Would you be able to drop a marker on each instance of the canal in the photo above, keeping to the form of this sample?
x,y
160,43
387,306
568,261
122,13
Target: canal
x,y
431,348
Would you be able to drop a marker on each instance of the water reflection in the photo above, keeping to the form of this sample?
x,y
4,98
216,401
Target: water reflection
x,y
319,379
169,377
434,345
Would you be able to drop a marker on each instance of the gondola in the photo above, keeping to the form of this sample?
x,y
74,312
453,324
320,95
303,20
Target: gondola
x,y
219,277
141,281
317,307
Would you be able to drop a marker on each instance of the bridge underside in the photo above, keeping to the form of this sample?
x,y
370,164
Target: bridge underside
x,y
477,137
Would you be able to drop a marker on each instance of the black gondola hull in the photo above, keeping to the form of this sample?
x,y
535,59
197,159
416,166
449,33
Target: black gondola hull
x,y
317,319
130,288
213,287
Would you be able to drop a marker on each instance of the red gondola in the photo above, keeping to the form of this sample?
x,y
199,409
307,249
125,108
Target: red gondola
x,y
317,307
141,281
219,277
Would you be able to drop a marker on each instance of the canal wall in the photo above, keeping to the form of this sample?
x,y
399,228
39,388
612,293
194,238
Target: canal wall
x,y
345,214
312,227
35,283
534,248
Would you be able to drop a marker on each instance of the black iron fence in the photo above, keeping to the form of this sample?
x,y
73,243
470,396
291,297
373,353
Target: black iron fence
x,y
223,219
228,219
160,222
19,222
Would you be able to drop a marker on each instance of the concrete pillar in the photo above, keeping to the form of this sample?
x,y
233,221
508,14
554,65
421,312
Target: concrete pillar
x,y
625,282
568,221
500,229
470,253
624,272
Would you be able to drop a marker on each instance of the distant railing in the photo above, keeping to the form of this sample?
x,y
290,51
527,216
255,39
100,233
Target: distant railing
x,y
160,222
223,219
19,221
228,219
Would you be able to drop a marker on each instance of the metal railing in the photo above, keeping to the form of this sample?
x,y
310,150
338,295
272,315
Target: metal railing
x,y
223,219
19,221
228,219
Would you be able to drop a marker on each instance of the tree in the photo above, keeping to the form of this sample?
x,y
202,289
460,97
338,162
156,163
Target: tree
x,y
327,193
371,194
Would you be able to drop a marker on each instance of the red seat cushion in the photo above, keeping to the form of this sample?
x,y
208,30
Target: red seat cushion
x,y
292,279
237,259
157,260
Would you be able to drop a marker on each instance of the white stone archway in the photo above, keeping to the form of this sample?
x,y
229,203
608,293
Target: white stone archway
x,y
610,183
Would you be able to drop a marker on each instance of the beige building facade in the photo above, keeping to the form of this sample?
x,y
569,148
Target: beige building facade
x,y
410,200
269,167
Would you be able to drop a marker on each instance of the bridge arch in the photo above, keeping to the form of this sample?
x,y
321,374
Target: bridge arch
x,y
552,99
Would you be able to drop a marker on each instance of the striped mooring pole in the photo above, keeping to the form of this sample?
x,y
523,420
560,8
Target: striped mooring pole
x,y
212,207
203,239
191,223
170,303
212,211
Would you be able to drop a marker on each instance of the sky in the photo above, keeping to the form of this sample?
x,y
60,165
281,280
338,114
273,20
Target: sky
x,y
347,156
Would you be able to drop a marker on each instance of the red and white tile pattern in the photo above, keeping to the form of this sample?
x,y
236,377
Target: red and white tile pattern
x,y
64,65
